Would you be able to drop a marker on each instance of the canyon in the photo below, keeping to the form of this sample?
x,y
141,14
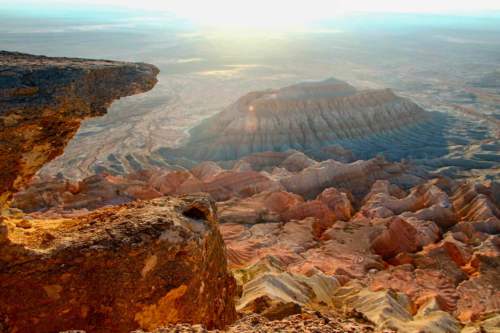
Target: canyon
x,y
277,213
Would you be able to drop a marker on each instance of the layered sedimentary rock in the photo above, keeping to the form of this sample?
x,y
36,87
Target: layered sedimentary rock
x,y
434,244
392,310
307,116
269,290
43,100
426,244
142,265
357,176
249,176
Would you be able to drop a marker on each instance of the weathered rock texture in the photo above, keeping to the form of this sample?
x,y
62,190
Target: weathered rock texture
x,y
306,322
142,265
43,100
241,181
307,116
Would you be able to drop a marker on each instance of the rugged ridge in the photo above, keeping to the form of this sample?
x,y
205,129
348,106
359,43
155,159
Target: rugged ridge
x,y
43,100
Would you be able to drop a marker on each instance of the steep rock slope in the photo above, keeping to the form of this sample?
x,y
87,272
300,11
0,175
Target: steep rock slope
x,y
43,100
306,116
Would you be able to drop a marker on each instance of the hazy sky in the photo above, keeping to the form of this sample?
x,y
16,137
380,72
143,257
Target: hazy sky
x,y
317,6
270,13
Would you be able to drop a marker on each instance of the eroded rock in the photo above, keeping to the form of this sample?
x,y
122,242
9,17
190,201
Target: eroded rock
x,y
141,265
43,100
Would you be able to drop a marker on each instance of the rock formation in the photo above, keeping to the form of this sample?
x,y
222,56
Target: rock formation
x,y
242,180
393,310
307,116
142,265
43,100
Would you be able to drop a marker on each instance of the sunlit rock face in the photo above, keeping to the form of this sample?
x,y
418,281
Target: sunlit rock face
x,y
414,261
142,265
308,117
43,100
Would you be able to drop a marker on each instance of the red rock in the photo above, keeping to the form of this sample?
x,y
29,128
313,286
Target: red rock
x,y
338,202
476,208
315,209
345,251
418,284
42,107
262,207
206,171
399,236
142,265
286,242
243,184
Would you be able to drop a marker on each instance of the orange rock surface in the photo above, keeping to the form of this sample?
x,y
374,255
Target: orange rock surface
x,y
141,265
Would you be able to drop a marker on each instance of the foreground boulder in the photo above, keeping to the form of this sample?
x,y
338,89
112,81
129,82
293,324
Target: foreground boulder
x,y
43,100
141,265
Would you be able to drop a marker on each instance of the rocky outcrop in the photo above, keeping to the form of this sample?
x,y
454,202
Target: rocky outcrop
x,y
142,265
269,290
43,100
137,266
307,117
357,176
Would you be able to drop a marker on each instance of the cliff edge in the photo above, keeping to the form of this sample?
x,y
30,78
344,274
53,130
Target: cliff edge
x,y
43,101
139,265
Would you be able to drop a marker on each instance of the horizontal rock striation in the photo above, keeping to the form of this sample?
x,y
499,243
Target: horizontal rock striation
x,y
307,116
43,100
242,180
142,265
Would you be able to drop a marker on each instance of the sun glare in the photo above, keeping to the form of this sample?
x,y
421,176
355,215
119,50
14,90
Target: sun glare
x,y
253,14
269,14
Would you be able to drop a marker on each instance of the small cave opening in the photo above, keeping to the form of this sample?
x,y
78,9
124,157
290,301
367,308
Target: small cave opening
x,y
195,213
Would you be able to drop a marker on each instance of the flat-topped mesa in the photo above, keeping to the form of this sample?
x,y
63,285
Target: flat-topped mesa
x,y
307,117
43,101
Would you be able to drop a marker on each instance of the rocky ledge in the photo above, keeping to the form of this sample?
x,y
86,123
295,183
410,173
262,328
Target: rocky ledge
x,y
141,265
43,100
135,266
